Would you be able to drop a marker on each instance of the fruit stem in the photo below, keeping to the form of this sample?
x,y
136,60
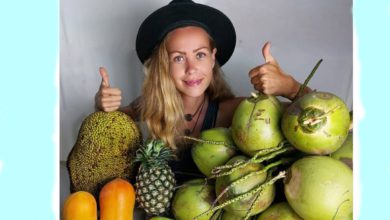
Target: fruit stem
x,y
216,170
260,156
208,141
247,216
303,86
248,213
259,188
239,164
217,215
264,169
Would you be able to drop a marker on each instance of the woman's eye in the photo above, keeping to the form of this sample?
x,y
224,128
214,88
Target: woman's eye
x,y
178,59
200,55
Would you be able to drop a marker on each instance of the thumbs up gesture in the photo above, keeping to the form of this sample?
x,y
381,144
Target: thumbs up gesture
x,y
107,99
270,79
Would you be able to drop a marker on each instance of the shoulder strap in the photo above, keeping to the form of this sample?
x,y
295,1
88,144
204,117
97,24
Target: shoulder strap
x,y
211,115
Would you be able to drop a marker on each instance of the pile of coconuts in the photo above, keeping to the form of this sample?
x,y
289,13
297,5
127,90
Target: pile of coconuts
x,y
274,162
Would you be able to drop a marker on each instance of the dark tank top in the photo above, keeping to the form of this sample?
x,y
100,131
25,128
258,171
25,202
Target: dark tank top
x,y
184,167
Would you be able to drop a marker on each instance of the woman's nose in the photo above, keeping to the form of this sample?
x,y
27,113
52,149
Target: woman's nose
x,y
190,66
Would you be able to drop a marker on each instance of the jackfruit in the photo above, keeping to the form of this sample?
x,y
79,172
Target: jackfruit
x,y
105,149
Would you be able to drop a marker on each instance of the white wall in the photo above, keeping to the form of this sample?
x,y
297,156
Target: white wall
x,y
102,33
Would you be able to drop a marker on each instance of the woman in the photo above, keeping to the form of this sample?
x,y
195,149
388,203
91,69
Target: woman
x,y
183,45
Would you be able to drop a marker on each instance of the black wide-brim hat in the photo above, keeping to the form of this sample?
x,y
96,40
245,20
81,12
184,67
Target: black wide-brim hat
x,y
181,13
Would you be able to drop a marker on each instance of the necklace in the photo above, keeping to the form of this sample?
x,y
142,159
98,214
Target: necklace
x,y
189,117
188,131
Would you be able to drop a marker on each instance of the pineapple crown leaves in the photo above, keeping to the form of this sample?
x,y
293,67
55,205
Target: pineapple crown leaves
x,y
154,153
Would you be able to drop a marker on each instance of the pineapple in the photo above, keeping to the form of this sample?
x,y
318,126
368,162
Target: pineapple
x,y
155,180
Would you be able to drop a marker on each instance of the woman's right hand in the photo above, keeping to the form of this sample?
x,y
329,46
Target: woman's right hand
x,y
270,79
107,99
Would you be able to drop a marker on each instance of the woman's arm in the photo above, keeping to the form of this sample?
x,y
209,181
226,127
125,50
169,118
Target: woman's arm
x,y
133,109
226,110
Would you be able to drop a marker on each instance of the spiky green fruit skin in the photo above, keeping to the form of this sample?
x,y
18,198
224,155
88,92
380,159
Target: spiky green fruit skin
x,y
104,149
155,180
154,189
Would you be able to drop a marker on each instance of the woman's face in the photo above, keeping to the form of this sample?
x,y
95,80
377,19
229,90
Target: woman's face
x,y
191,60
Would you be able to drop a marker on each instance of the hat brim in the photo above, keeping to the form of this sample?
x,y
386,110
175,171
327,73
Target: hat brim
x,y
158,24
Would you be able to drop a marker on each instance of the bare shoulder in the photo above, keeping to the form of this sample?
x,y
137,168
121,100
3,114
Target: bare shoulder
x,y
226,110
231,103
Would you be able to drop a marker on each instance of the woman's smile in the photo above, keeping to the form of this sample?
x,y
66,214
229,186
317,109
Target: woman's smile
x,y
192,83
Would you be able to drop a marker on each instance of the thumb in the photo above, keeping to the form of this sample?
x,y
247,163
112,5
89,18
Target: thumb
x,y
267,54
103,73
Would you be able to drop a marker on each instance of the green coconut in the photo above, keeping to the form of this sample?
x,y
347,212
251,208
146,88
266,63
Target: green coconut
x,y
160,218
345,152
320,188
208,153
316,123
256,124
192,199
229,216
279,211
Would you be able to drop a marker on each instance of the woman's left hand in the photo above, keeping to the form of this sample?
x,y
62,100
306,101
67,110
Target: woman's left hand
x,y
270,79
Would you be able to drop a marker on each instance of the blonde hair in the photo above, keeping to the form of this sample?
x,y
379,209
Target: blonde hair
x,y
161,103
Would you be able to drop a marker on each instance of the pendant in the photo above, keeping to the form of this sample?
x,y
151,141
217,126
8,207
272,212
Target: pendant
x,y
188,117
187,132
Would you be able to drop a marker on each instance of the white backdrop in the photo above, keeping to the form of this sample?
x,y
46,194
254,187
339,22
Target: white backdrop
x,y
102,33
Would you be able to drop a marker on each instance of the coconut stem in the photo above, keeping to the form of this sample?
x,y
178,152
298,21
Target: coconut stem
x,y
270,150
254,159
259,188
217,215
247,216
271,155
208,141
217,170
303,86
242,179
